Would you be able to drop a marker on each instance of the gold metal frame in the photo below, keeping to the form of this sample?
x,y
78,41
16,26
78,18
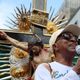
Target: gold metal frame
x,y
39,17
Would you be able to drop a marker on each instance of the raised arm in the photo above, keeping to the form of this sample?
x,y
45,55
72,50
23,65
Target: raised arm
x,y
14,42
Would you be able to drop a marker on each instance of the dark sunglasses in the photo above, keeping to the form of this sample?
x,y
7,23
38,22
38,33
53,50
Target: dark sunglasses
x,y
67,36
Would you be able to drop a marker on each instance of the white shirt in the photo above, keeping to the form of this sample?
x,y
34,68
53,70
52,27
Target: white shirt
x,y
60,71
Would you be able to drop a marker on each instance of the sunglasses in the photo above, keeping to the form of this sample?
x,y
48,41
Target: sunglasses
x,y
67,36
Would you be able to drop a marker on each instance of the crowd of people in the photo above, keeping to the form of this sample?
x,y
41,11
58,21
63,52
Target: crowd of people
x,y
62,44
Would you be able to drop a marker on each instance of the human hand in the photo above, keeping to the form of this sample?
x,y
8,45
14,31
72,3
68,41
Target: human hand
x,y
3,35
76,68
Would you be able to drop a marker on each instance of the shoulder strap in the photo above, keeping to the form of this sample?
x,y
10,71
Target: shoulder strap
x,y
48,67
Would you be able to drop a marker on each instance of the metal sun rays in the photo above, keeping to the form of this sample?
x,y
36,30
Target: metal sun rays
x,y
22,19
56,22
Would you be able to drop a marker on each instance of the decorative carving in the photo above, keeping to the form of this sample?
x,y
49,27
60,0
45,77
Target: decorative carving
x,y
39,18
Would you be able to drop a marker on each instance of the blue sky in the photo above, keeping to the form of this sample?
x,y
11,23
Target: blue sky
x,y
7,8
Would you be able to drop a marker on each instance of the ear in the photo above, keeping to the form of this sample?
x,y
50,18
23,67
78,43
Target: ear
x,y
55,47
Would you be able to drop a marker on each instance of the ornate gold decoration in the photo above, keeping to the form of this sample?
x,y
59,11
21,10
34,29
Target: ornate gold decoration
x,y
51,27
21,21
19,53
20,71
57,22
39,17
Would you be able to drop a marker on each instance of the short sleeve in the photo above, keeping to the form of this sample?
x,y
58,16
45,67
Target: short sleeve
x,y
42,73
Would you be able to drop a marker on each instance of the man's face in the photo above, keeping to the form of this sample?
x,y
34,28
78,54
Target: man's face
x,y
66,43
36,50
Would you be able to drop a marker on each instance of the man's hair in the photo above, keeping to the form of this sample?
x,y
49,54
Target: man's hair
x,y
38,43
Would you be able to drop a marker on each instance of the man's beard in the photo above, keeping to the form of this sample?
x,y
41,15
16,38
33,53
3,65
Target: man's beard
x,y
36,52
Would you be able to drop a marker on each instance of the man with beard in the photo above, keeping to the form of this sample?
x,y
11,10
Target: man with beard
x,y
62,43
38,54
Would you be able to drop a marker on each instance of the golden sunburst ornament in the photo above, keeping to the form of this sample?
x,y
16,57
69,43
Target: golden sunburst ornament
x,y
22,19
51,27
19,53
57,22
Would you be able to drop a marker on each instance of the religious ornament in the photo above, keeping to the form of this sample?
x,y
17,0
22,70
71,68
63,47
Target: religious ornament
x,y
56,22
22,20
26,21
19,64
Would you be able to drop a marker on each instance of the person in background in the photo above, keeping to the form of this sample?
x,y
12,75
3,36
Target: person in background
x,y
62,43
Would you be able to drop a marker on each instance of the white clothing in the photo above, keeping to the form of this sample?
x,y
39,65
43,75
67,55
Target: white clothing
x,y
60,72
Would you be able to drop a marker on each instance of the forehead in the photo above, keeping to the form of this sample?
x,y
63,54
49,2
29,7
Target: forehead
x,y
67,32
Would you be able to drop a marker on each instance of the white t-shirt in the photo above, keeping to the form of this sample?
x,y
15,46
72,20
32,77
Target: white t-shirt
x,y
60,72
